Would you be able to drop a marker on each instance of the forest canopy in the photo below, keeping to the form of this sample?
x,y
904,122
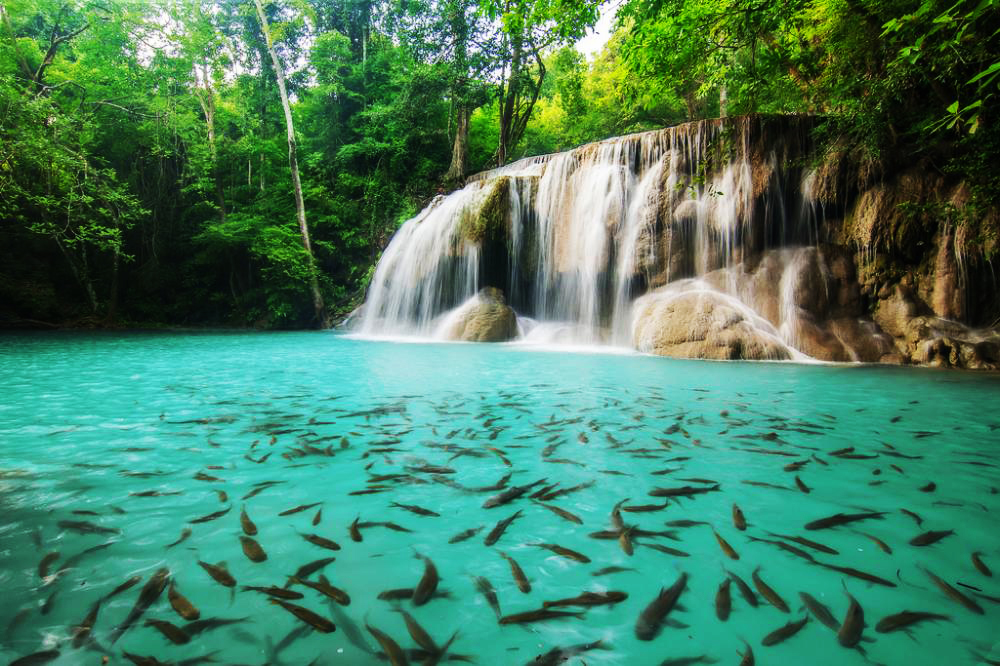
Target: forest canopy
x,y
150,175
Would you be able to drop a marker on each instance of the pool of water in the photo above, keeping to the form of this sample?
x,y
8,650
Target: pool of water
x,y
115,446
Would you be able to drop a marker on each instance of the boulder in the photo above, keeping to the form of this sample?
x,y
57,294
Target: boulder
x,y
483,318
694,321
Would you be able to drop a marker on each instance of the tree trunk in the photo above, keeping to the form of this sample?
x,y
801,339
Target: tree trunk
x,y
460,150
206,99
723,102
300,207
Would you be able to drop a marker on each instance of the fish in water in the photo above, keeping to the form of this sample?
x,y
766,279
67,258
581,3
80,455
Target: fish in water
x,y
499,528
723,600
310,568
518,573
807,543
428,582
304,614
562,513
726,548
744,589
150,592
413,508
510,494
905,619
916,518
354,531
849,634
297,509
954,594
43,564
820,611
213,516
318,517
181,605
252,549
185,533
739,520
564,552
977,561
838,519
538,615
249,528
784,633
883,546
396,655
651,618
557,656
81,632
86,527
36,658
274,591
322,542
219,572
325,588
768,592
589,599
486,589
928,538
172,632
466,534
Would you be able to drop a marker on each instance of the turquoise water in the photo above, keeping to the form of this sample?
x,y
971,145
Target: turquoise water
x,y
141,434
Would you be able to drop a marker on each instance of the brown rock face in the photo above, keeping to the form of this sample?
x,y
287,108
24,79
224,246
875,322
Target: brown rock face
x,y
697,323
484,318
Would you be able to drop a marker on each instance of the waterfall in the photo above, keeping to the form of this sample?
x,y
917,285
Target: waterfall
x,y
572,240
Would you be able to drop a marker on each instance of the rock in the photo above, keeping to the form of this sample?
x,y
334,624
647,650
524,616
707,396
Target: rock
x,y
893,314
483,318
690,320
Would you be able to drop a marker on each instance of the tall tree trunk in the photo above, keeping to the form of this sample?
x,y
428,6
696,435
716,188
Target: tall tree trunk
x,y
300,207
460,149
206,98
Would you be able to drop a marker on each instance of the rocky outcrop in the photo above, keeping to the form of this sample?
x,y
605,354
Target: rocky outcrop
x,y
692,321
483,318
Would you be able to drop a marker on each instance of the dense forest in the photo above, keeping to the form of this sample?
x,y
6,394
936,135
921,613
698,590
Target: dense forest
x,y
244,162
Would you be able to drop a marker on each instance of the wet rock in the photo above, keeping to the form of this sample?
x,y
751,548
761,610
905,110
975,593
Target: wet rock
x,y
484,318
693,321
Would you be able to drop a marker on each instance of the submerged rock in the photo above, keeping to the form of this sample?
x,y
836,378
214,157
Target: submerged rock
x,y
694,321
483,318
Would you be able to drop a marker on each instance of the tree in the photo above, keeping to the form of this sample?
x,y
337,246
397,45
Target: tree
x,y
300,207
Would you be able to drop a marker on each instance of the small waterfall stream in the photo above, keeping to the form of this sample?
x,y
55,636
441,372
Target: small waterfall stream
x,y
572,240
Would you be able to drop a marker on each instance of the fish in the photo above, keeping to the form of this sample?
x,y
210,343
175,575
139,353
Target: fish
x,y
181,605
905,619
212,516
652,616
610,570
325,588
318,517
850,571
726,548
842,519
883,546
413,508
784,633
928,538
297,509
954,594
486,589
252,549
200,626
665,549
685,523
428,582
682,491
739,520
849,634
310,568
81,632
509,495
723,600
185,533
466,534
172,632
43,564
636,508
801,485
820,611
322,542
219,572
538,616
916,518
787,547
354,531
807,543
418,633
499,528
977,561
565,552
518,574
557,655
87,527
391,648
315,621
274,591
249,528
744,589
768,592
589,599
562,513
748,658
929,488
150,592
37,658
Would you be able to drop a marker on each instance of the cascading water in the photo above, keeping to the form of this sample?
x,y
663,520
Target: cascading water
x,y
572,240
